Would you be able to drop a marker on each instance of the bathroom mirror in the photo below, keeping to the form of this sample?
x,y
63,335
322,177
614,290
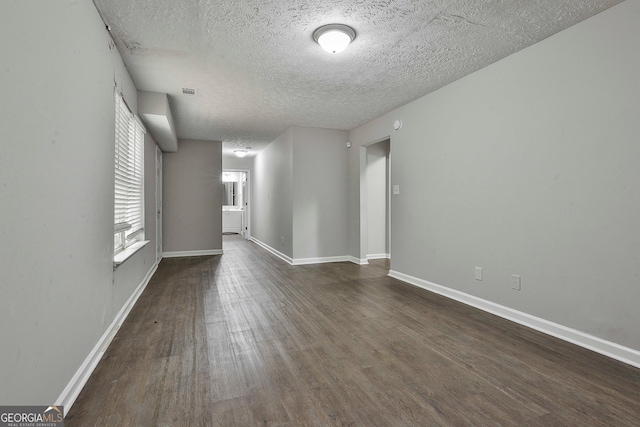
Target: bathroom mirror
x,y
230,197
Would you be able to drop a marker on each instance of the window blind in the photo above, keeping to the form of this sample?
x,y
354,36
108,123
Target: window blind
x,y
129,176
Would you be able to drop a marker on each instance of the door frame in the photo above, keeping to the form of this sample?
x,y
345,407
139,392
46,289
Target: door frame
x,y
364,220
158,206
246,233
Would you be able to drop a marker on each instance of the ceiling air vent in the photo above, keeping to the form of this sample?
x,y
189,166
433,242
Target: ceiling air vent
x,y
188,91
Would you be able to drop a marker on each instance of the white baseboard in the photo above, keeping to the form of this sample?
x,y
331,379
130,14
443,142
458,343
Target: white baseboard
x,y
80,378
379,256
179,254
272,250
615,351
304,261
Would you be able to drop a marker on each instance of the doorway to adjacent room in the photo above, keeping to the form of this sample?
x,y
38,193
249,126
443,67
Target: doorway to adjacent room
x,y
235,204
378,212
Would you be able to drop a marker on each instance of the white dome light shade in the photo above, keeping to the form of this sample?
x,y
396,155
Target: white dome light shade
x,y
240,153
334,38
334,41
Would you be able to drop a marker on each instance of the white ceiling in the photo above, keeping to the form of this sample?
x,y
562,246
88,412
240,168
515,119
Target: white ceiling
x,y
258,71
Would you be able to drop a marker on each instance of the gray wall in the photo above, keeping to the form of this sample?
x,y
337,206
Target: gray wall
x,y
529,167
272,188
59,290
300,192
320,192
192,197
230,161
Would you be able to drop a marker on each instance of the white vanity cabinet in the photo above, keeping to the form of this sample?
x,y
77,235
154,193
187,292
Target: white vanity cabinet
x,y
232,221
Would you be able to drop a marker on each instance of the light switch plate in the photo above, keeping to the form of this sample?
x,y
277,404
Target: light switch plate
x,y
396,189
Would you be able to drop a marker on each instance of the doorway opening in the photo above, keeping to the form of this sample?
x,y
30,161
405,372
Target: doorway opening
x,y
378,200
235,203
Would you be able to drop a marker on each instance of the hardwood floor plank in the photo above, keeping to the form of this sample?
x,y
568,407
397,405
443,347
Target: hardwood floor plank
x,y
226,376
362,401
302,409
245,339
231,413
314,382
259,320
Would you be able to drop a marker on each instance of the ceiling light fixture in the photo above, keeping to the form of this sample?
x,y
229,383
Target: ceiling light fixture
x,y
240,153
334,38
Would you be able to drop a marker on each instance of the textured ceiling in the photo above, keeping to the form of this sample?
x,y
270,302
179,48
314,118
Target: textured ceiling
x,y
257,70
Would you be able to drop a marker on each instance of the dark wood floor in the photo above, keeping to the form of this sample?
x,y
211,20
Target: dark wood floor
x,y
244,339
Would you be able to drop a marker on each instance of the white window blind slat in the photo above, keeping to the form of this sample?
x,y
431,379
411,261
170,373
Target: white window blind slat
x,y
128,176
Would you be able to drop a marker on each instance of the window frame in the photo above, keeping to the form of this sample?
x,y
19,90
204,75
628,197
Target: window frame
x,y
128,178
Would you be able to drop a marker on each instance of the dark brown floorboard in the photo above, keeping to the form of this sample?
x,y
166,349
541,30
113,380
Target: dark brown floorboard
x,y
244,339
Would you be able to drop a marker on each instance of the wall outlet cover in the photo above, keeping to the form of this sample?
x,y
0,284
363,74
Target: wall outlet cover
x,y
515,282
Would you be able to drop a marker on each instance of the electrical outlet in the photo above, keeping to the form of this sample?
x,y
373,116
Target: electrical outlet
x,y
478,273
515,282
282,240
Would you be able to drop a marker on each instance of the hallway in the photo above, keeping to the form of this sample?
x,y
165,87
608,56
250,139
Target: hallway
x,y
245,339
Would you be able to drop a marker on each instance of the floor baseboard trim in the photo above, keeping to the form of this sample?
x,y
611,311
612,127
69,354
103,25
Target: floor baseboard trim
x,y
305,261
272,250
179,254
358,261
607,348
80,378
378,256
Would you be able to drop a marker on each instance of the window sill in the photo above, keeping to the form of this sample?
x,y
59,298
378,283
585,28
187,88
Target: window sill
x,y
121,257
